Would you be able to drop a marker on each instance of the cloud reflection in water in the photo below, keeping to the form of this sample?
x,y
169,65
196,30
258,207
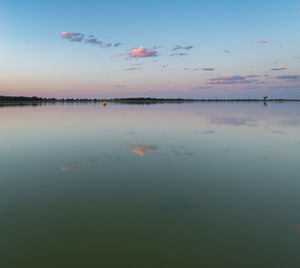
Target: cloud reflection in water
x,y
74,165
142,149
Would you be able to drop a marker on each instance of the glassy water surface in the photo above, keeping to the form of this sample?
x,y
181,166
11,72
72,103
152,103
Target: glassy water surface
x,y
166,185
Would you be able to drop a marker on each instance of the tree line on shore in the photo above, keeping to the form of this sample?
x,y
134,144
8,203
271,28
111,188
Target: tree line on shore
x,y
16,99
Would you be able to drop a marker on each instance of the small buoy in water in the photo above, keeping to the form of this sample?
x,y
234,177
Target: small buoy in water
x,y
104,103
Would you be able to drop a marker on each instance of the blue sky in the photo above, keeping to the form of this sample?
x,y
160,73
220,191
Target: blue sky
x,y
168,48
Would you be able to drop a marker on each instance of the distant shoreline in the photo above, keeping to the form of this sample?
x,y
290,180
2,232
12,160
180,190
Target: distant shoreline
x,y
11,100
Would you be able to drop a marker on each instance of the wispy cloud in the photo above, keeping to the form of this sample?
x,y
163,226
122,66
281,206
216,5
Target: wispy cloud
x,y
279,69
262,42
117,44
91,39
179,54
120,86
230,80
252,76
226,51
188,48
208,69
132,69
138,64
202,87
73,37
289,77
182,47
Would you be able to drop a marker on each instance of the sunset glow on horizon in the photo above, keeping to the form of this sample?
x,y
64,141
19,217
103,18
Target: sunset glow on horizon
x,y
187,49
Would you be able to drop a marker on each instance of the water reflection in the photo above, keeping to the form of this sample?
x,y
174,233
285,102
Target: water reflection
x,y
209,132
181,151
142,149
150,185
231,121
78,164
75,165
280,132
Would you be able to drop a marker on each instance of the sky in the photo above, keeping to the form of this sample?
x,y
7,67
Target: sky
x,y
166,48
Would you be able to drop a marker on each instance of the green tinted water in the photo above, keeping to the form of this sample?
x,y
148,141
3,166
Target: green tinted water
x,y
168,185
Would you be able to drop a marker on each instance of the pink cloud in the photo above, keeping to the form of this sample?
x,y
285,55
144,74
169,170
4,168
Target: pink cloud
x,y
142,52
136,53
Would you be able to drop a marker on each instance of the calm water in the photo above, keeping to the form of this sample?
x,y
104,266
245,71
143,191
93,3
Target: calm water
x,y
166,185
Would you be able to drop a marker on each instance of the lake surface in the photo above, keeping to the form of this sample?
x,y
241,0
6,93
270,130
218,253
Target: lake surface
x,y
164,185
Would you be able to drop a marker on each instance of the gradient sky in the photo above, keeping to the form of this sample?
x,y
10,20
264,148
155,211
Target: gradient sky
x,y
166,48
